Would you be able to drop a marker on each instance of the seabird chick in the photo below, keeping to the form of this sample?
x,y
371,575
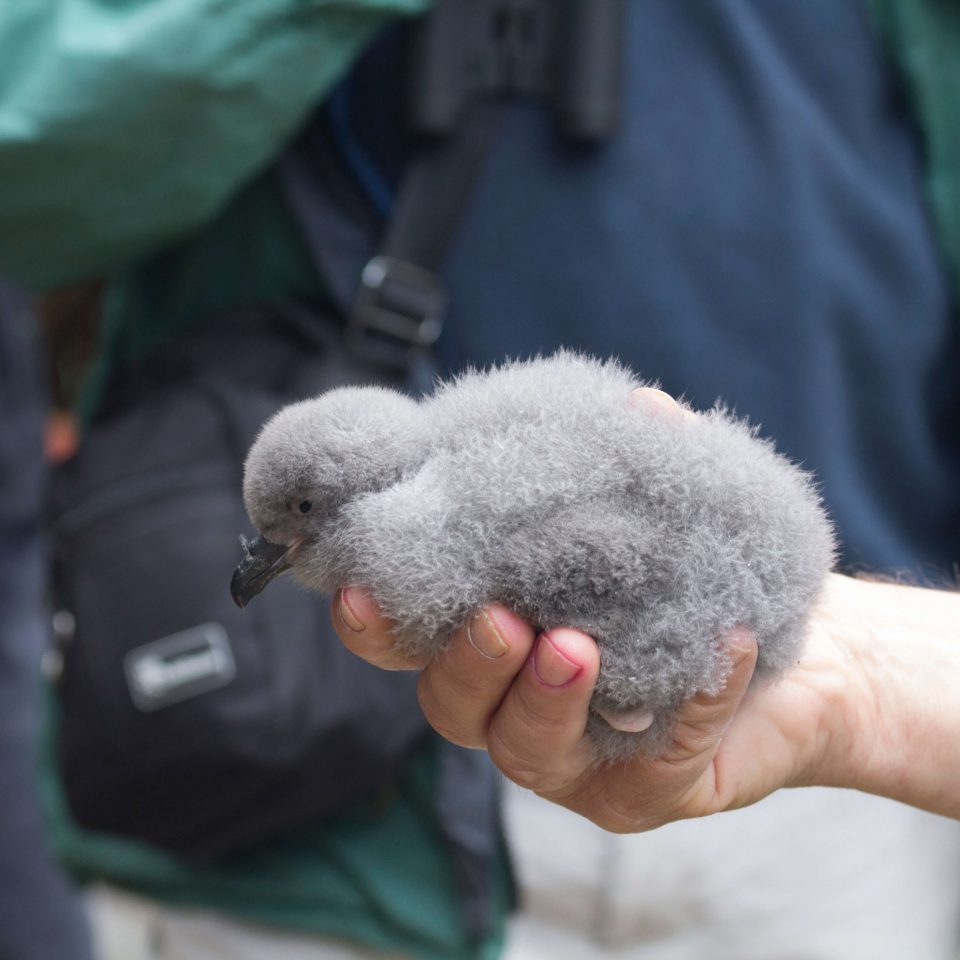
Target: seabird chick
x,y
542,486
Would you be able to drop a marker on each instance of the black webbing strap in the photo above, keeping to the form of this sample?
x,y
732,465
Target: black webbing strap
x,y
472,58
401,301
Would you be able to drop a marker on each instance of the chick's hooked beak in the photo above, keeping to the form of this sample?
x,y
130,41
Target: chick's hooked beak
x,y
262,561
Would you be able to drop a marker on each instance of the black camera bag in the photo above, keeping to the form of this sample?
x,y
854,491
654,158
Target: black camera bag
x,y
185,721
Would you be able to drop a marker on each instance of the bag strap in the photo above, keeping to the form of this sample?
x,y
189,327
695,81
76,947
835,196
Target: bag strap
x,y
472,57
399,308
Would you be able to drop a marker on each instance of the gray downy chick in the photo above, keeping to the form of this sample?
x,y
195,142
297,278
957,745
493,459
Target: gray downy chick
x,y
541,486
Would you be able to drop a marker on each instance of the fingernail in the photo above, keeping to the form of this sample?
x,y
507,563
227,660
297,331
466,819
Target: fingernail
x,y
655,398
347,614
552,667
661,402
484,636
630,721
654,395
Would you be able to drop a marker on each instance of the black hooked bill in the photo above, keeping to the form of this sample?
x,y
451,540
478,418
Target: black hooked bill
x,y
262,561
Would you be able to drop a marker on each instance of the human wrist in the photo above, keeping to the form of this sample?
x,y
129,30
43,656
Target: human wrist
x,y
891,718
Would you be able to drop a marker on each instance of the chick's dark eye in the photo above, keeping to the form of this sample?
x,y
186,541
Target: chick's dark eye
x,y
306,506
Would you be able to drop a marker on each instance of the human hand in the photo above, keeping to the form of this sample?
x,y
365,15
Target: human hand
x,y
870,705
525,700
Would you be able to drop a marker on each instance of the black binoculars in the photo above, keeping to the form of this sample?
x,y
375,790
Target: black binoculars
x,y
564,52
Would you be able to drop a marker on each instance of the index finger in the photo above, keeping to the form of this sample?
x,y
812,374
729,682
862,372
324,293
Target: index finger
x,y
364,631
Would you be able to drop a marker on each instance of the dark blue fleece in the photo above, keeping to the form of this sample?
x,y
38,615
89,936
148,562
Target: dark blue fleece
x,y
756,232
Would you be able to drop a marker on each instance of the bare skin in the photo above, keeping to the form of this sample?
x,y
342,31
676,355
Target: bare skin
x,y
871,705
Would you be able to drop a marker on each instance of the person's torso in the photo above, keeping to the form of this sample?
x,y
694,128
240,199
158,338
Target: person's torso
x,y
755,232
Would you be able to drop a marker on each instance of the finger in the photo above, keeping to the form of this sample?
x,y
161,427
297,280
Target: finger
x,y
366,632
704,719
537,736
464,684
661,403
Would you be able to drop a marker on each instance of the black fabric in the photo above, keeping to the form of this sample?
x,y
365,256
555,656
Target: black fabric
x,y
469,810
145,536
22,408
40,915
338,224
383,276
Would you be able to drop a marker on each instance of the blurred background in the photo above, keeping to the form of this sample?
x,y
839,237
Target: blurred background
x,y
743,200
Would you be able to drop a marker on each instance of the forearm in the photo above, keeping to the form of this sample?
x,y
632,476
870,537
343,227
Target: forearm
x,y
898,731
124,125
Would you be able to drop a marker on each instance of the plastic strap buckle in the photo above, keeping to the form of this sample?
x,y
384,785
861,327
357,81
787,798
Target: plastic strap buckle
x,y
399,309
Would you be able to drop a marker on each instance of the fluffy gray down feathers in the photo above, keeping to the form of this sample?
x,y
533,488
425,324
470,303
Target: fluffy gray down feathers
x,y
541,486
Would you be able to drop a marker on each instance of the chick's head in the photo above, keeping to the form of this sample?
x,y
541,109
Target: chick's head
x,y
313,457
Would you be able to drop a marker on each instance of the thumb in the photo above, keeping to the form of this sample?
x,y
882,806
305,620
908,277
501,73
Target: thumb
x,y
703,719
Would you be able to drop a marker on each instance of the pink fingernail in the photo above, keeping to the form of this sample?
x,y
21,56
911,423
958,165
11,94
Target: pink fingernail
x,y
552,666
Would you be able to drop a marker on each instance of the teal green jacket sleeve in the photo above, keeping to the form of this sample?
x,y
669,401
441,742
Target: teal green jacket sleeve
x,y
126,123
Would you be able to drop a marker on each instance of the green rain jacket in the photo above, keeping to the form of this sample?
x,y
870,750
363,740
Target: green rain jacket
x,y
129,125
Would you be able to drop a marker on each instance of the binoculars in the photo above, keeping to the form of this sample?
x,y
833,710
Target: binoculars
x,y
564,52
